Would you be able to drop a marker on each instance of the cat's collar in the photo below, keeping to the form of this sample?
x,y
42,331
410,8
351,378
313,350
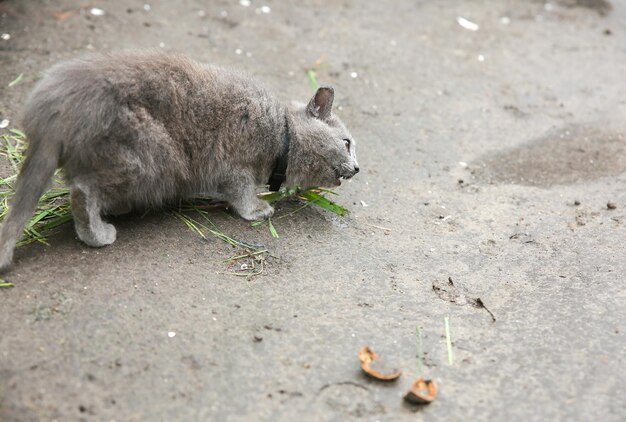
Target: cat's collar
x,y
279,174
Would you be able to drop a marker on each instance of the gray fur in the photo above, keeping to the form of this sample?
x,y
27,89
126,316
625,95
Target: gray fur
x,y
136,131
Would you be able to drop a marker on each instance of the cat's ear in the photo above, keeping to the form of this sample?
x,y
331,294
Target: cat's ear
x,y
321,104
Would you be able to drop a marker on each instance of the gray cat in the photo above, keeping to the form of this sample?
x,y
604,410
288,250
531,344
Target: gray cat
x,y
135,131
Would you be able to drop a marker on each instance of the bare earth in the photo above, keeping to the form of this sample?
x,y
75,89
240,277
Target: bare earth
x,y
474,147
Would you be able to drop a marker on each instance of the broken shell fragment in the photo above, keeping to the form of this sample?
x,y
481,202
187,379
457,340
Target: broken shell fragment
x,y
372,366
421,392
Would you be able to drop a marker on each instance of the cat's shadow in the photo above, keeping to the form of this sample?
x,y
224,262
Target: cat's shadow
x,y
154,227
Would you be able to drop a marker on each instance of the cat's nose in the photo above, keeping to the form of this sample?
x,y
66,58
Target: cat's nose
x,y
356,169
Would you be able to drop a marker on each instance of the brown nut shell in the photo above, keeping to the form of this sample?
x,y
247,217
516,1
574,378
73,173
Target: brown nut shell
x,y
422,392
372,366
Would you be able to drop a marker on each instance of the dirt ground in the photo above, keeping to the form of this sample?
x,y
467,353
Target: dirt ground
x,y
487,157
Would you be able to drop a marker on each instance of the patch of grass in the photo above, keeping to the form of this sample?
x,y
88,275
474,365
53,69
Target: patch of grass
x,y
312,196
53,209
208,227
248,261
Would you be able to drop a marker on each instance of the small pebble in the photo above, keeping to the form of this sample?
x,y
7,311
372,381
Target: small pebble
x,y
265,9
146,7
481,58
505,20
4,123
171,334
161,44
201,13
353,74
364,204
5,36
245,3
238,51
96,12
469,25
610,205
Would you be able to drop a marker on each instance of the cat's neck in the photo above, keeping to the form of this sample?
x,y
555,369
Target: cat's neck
x,y
279,173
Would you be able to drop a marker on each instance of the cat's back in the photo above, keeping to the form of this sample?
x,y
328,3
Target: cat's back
x,y
167,85
131,76
79,98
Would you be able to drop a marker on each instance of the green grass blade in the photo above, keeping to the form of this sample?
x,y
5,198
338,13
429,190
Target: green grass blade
x,y
8,180
16,80
273,231
191,224
324,202
312,79
38,217
332,192
57,221
18,133
420,351
448,341
306,204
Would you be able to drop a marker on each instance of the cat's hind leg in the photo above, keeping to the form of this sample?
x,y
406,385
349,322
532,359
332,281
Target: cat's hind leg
x,y
88,222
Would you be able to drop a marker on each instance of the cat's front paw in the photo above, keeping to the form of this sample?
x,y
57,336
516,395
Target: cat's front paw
x,y
260,211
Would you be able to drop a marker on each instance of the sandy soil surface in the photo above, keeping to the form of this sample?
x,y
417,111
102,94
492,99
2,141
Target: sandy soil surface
x,y
487,157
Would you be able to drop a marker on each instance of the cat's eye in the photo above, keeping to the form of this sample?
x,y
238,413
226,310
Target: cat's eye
x,y
347,142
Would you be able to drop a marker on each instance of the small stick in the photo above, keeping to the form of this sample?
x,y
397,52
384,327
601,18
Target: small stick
x,y
481,304
234,258
378,227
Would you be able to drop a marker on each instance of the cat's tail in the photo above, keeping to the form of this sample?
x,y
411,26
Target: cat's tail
x,y
42,159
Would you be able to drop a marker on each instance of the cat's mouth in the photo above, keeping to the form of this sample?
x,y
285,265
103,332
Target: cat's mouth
x,y
344,173
342,177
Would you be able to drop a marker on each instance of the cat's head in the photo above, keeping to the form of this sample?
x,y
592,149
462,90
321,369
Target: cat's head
x,y
324,152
